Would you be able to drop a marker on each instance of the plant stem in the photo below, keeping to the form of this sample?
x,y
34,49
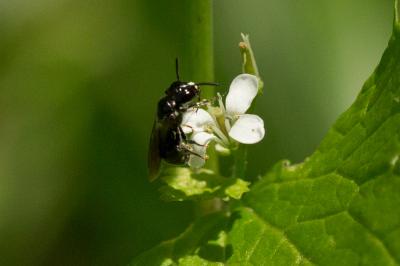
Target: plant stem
x,y
397,14
199,42
199,52
240,163
199,63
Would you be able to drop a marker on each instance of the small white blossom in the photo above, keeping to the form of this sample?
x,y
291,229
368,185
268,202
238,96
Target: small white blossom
x,y
248,129
243,90
228,126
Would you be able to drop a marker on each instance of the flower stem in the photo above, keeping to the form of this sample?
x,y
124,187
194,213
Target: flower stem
x,y
249,64
199,52
240,163
199,63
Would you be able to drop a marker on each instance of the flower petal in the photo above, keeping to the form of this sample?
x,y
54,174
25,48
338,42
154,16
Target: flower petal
x,y
201,138
194,120
248,129
242,91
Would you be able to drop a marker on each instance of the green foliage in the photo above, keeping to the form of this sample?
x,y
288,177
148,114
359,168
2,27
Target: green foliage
x,y
339,207
203,243
183,184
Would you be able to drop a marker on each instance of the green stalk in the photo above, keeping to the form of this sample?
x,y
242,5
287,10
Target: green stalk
x,y
240,163
397,14
199,63
199,52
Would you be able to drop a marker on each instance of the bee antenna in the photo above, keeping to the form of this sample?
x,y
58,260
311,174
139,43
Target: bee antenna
x,y
177,69
208,83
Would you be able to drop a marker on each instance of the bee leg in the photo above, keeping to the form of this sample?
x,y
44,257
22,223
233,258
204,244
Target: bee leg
x,y
185,144
202,103
189,150
181,134
189,141
205,157
195,143
196,105
187,126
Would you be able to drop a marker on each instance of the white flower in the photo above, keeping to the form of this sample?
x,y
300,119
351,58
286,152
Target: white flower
x,y
226,125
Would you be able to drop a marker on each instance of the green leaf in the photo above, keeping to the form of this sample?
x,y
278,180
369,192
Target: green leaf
x,y
203,243
183,184
339,207
236,187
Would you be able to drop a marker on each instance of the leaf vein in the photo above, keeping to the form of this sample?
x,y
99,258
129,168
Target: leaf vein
x,y
297,250
376,238
257,242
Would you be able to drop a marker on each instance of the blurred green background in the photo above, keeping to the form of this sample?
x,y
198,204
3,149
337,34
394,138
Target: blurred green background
x,y
79,83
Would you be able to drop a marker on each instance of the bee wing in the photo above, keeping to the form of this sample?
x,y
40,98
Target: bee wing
x,y
153,159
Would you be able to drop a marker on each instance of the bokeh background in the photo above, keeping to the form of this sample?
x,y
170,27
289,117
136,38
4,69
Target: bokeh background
x,y
79,83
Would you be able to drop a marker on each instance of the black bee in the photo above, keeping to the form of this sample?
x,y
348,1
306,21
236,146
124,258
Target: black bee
x,y
168,141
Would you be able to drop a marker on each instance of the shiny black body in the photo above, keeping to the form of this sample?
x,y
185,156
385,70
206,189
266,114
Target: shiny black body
x,y
169,115
168,141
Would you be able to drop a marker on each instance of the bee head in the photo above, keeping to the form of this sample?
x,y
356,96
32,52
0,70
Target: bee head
x,y
183,92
